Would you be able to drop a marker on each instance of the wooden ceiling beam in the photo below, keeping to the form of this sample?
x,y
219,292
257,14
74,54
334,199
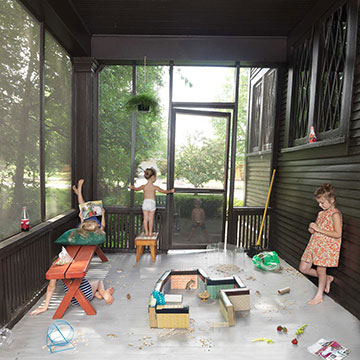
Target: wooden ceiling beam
x,y
63,22
249,51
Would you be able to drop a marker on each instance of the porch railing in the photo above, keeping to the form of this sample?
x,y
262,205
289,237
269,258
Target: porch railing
x,y
245,228
24,260
124,223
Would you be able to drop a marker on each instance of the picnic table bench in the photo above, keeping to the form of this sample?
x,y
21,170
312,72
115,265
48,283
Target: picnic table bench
x,y
72,274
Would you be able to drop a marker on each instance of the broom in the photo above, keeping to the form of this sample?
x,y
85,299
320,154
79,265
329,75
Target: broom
x,y
255,249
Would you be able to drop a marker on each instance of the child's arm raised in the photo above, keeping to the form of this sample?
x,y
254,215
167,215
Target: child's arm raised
x,y
337,227
103,223
132,187
159,189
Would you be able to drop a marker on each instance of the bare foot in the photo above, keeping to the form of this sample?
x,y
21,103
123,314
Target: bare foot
x,y
315,301
111,290
80,183
108,297
329,280
98,295
75,190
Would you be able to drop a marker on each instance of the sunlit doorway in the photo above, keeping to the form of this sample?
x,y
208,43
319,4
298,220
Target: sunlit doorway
x,y
199,154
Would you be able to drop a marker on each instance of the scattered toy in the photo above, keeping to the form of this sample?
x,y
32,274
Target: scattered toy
x,y
301,329
284,291
294,341
267,340
128,296
284,329
189,284
279,328
204,296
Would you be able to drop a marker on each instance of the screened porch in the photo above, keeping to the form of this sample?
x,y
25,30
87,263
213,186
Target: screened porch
x,y
238,87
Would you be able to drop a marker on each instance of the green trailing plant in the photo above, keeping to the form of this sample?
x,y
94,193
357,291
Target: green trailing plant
x,y
143,102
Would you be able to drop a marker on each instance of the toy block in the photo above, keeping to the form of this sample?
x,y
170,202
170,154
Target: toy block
x,y
180,281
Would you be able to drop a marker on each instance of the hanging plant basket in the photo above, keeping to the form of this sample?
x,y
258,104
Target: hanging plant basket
x,y
143,102
143,108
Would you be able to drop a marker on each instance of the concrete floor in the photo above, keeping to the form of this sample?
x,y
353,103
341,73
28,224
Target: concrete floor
x,y
122,331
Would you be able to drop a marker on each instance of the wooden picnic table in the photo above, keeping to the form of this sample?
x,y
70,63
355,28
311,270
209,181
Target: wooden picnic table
x,y
72,274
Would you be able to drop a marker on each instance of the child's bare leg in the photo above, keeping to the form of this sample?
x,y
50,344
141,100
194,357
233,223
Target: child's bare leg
x,y
329,280
190,235
146,222
151,222
106,294
206,234
306,268
78,191
318,298
94,287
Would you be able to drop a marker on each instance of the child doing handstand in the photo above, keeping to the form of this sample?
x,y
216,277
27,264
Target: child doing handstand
x,y
90,288
92,223
149,204
323,249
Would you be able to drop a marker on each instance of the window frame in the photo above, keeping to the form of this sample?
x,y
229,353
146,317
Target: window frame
x,y
258,145
341,133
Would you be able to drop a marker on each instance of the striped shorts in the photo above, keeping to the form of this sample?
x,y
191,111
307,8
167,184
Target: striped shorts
x,y
85,288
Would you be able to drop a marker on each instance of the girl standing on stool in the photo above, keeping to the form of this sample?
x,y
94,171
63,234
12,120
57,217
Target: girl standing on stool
x,y
323,249
149,204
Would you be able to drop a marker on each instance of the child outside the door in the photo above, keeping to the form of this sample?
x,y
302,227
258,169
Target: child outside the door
x,y
198,219
149,204
323,249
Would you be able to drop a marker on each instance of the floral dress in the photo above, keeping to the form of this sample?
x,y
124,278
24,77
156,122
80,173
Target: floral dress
x,y
323,250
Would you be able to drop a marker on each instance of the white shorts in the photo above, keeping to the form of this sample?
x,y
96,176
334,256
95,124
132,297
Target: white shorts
x,y
149,205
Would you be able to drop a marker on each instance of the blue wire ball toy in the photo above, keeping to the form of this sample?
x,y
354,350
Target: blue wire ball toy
x,y
59,335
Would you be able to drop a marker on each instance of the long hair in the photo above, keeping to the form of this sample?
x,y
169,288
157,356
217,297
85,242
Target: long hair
x,y
89,226
326,190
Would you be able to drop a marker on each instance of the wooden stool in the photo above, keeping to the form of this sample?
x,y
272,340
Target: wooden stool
x,y
141,241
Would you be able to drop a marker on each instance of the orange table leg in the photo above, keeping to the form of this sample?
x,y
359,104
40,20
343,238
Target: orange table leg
x,y
101,254
73,291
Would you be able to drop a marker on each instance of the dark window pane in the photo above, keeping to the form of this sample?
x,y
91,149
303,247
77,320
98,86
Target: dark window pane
x,y
58,125
20,118
255,115
333,42
268,110
302,81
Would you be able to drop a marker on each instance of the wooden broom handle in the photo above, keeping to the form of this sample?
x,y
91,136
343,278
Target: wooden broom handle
x,y
266,206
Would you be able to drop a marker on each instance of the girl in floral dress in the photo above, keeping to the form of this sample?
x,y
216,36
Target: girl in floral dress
x,y
323,249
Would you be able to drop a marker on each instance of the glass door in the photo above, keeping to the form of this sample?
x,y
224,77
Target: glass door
x,y
199,156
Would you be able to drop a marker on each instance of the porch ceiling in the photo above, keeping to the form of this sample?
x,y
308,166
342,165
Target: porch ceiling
x,y
192,17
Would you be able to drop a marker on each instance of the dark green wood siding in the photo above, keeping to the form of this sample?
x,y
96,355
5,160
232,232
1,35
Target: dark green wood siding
x,y
257,179
299,174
